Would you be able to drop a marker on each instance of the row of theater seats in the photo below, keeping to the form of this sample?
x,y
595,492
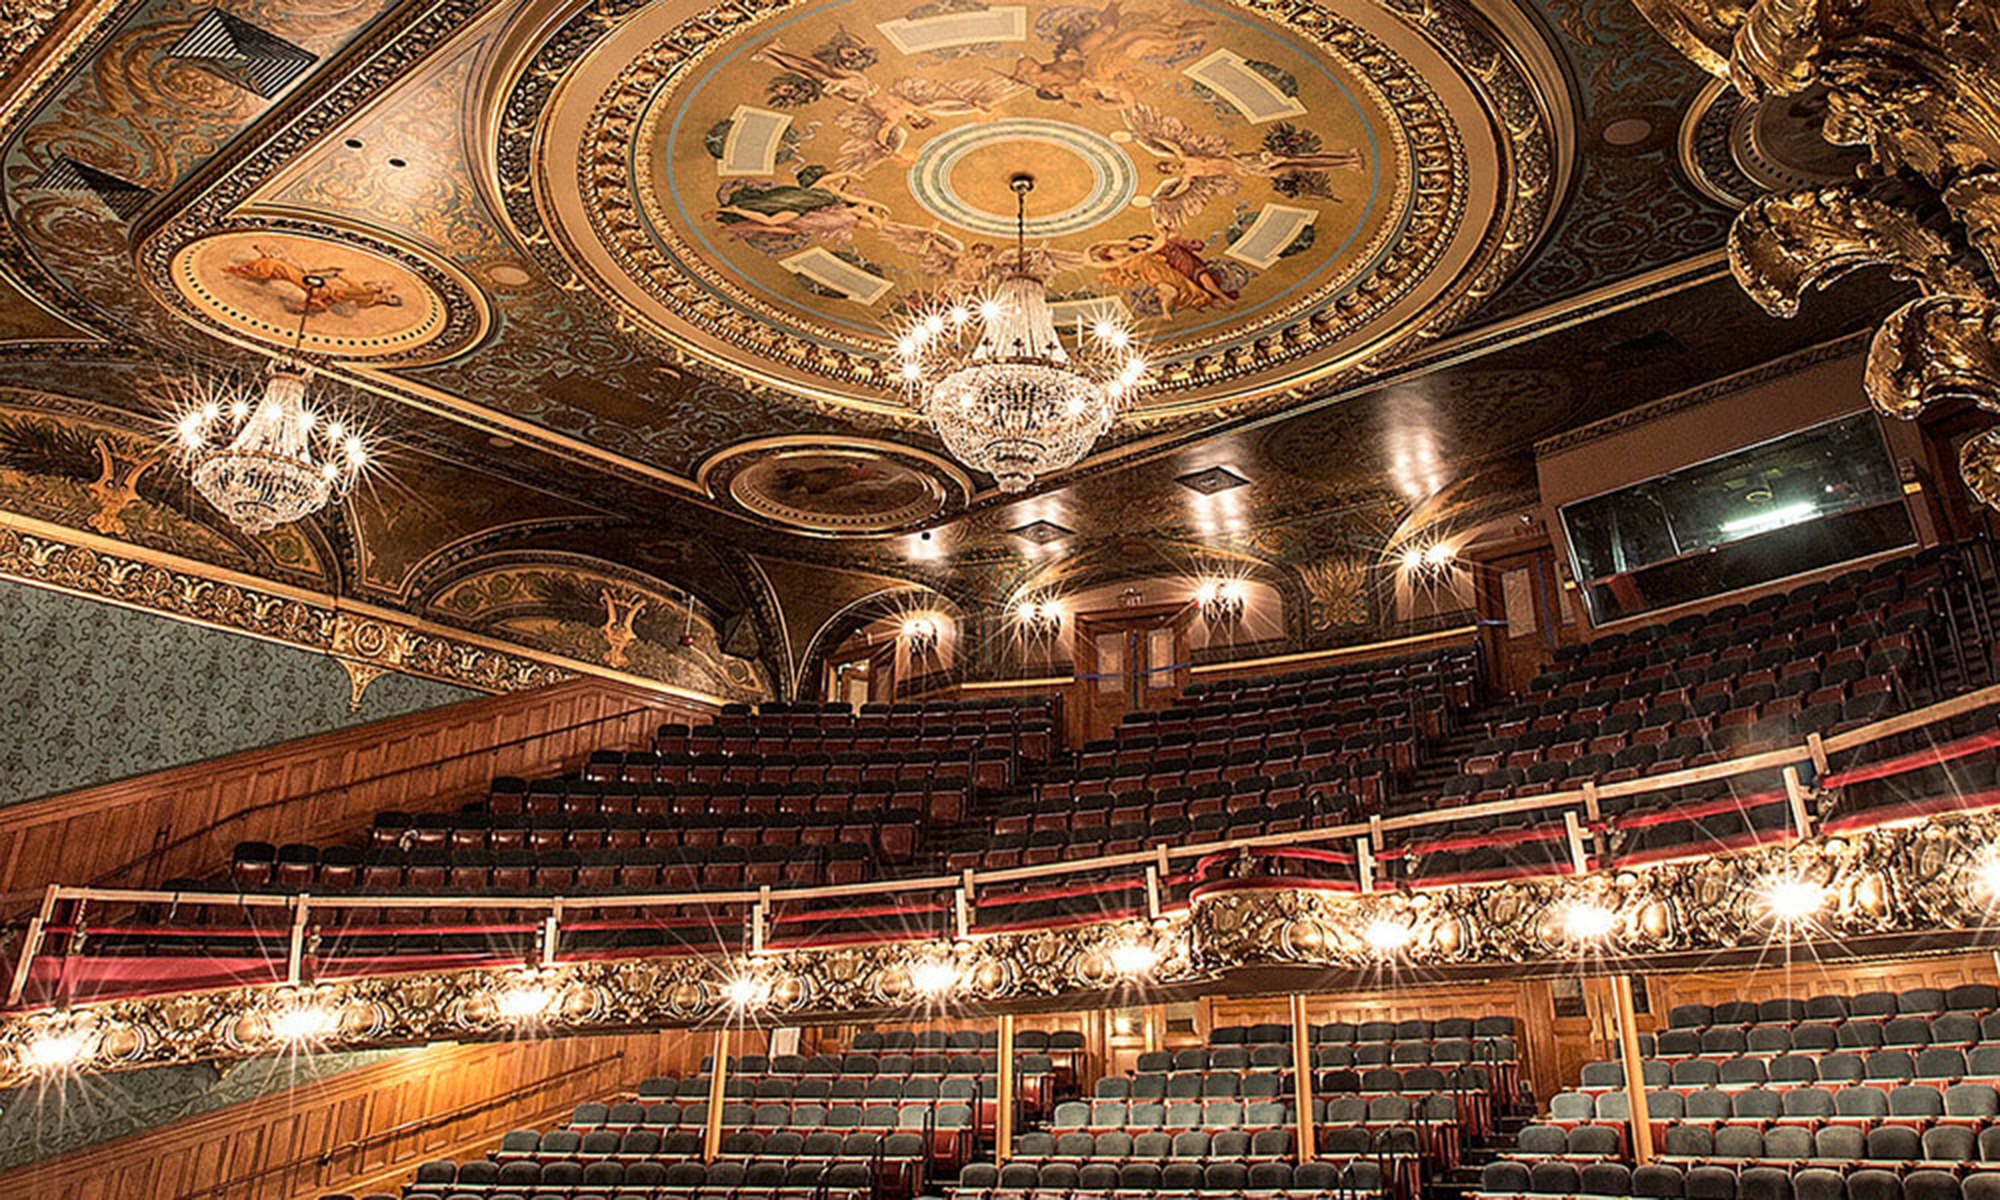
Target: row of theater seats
x,y
1452,674
1250,747
1019,1180
1224,1084
1901,590
610,1179
1666,1181
1978,998
728,819
1798,1067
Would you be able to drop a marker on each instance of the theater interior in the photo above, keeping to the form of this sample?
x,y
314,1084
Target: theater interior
x,y
990,600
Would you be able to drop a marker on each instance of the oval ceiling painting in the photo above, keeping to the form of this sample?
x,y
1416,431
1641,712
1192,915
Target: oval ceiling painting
x,y
833,488
1265,197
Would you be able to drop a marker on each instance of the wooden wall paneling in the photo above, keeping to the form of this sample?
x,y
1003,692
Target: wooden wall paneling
x,y
323,788
222,1152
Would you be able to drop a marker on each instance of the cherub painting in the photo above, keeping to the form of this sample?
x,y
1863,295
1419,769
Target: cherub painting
x,y
818,206
1200,167
877,121
1099,56
336,292
958,266
1167,268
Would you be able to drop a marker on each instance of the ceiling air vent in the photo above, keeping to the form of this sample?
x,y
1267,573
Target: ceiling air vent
x,y
69,175
1041,533
253,59
1211,480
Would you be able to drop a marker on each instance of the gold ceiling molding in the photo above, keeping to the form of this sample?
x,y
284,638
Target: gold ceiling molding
x,y
1914,84
589,92
66,560
1928,880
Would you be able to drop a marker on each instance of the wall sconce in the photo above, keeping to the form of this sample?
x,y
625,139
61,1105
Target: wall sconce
x,y
1220,600
920,635
1433,559
1039,619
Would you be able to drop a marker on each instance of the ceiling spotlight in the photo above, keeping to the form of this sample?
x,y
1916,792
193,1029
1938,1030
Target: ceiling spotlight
x,y
1413,559
306,1023
920,634
1791,900
1220,600
1039,618
1438,554
1585,922
1133,959
933,978
1388,935
524,1002
53,1051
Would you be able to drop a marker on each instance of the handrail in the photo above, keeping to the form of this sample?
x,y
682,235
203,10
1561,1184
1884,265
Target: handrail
x,y
325,1157
971,881
159,852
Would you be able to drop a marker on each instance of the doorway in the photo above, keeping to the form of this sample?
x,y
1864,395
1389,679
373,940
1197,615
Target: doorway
x,y
1130,660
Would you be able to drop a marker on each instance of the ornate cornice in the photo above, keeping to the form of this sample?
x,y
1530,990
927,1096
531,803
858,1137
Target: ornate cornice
x,y
1894,885
1777,368
50,556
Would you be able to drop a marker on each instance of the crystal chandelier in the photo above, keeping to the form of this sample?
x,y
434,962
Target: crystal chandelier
x,y
270,460
993,377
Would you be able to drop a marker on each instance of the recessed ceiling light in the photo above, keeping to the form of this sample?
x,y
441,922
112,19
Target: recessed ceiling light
x,y
1211,480
1041,533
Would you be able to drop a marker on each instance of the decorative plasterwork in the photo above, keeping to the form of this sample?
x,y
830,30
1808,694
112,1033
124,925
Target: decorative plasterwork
x,y
835,485
565,159
1911,881
48,556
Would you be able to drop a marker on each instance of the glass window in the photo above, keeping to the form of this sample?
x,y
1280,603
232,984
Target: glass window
x,y
1810,499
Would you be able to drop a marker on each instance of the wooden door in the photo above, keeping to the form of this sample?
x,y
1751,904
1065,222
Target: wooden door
x,y
1130,659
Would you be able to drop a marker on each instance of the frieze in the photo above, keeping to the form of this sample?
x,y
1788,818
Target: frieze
x,y
1926,881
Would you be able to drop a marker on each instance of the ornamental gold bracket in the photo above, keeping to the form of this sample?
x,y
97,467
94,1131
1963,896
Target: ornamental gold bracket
x,y
1917,82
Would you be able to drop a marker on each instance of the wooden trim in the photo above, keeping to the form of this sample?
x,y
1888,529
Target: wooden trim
x,y
322,787
1362,651
327,1135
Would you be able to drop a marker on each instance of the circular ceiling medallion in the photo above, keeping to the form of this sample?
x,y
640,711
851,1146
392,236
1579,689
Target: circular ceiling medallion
x,y
1270,193
1082,178
253,282
1737,149
845,487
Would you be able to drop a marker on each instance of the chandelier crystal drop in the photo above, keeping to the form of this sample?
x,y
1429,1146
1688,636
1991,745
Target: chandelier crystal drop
x,y
272,459
993,377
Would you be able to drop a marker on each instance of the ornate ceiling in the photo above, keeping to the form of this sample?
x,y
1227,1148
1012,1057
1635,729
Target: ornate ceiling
x,y
612,279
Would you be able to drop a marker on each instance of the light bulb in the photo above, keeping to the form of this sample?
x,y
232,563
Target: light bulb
x,y
209,412
746,991
1413,559
1387,934
53,1051
1791,900
523,1003
1132,959
307,1023
933,978
239,410
1588,922
1438,555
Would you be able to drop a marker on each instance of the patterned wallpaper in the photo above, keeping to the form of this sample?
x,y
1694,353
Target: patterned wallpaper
x,y
90,692
53,1117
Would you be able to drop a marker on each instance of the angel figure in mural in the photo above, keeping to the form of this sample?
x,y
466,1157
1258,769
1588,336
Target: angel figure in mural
x,y
268,266
818,205
1200,167
1169,268
1098,56
877,121
962,267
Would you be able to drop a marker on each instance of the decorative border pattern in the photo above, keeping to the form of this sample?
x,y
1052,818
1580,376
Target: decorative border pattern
x,y
1791,364
1524,126
1921,881
71,566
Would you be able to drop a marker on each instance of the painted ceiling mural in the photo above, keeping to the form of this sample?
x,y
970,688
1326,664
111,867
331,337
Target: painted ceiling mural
x,y
615,282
